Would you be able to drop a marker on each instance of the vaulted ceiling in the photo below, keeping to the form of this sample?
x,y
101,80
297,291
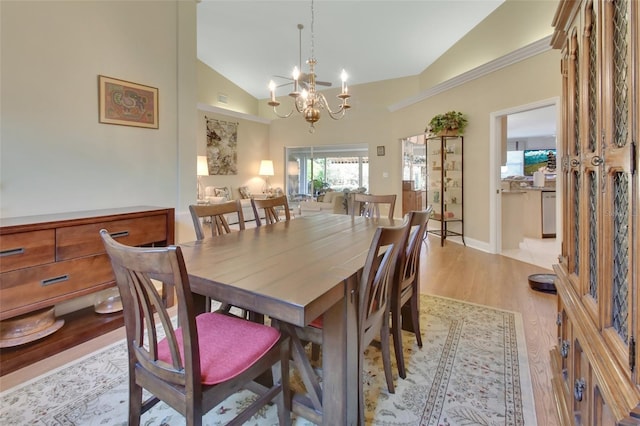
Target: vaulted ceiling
x,y
251,42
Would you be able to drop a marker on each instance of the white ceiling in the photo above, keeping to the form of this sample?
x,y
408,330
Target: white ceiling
x,y
539,122
251,41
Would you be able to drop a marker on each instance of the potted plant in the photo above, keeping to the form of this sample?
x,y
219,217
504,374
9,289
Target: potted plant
x,y
448,124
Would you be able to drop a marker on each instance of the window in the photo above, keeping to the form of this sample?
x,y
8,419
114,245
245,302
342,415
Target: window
x,y
313,170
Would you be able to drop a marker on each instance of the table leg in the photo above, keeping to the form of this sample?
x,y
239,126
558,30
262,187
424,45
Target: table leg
x,y
340,361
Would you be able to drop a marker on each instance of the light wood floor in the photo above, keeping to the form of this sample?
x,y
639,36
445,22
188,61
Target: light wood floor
x,y
501,282
451,271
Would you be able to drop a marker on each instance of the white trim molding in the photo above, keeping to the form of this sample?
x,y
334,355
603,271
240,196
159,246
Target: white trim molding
x,y
516,56
210,108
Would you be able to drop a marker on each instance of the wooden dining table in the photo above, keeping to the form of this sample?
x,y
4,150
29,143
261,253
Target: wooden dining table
x,y
294,272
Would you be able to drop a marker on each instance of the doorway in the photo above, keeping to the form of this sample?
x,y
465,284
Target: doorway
x,y
512,190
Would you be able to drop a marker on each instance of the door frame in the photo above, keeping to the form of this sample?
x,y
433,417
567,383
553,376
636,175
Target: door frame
x,y
495,160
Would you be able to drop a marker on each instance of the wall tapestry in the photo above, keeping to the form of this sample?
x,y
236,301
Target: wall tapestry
x,y
222,147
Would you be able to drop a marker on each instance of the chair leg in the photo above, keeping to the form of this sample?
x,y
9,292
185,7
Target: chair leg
x,y
135,401
361,419
386,353
396,328
415,318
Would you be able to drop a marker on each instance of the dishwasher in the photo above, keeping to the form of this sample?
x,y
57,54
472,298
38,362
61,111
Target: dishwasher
x,y
548,214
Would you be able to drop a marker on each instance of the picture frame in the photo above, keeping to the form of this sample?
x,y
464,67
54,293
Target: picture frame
x,y
380,150
126,103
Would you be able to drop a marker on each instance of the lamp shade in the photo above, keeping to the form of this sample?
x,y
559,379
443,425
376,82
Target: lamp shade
x,y
266,168
203,167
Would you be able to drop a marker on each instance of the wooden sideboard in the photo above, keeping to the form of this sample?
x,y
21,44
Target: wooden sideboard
x,y
49,259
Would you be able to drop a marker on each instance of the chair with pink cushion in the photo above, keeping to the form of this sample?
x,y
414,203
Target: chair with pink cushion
x,y
373,298
201,363
405,293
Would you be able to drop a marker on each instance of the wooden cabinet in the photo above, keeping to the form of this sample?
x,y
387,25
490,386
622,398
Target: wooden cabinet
x,y
411,198
445,171
50,259
595,364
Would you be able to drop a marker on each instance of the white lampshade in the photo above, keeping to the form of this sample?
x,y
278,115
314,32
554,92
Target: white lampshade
x,y
203,167
266,168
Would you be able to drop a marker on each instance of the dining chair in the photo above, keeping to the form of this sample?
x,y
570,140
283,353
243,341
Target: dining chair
x,y
369,205
374,291
215,216
273,209
406,287
203,361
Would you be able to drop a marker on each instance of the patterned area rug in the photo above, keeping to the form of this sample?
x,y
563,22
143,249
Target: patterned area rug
x,y
472,370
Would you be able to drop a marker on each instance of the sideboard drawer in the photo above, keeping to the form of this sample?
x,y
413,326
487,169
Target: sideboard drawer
x,y
52,283
84,240
26,249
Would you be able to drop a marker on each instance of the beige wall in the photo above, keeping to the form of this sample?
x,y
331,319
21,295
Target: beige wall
x,y
211,85
516,23
528,81
54,155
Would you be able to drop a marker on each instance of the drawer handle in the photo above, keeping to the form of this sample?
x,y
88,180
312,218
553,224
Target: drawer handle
x,y
11,252
564,348
578,389
119,234
54,280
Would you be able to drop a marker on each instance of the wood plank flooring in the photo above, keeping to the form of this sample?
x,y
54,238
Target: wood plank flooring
x,y
451,271
470,275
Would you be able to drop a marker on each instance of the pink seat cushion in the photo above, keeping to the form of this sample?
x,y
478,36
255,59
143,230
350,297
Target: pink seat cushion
x,y
317,323
228,345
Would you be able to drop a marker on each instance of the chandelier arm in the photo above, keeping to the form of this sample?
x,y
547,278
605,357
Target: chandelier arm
x,y
337,114
280,115
300,104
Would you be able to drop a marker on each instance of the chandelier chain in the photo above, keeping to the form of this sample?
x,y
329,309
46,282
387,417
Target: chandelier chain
x,y
313,47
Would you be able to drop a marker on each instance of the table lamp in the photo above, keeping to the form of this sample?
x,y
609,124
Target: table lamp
x,y
266,170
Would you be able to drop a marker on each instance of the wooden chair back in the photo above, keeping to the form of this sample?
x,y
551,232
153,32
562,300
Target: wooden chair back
x,y
409,258
374,294
369,205
213,216
147,320
406,286
274,209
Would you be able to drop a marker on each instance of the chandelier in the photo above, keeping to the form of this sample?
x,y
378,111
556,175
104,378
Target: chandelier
x,y
309,102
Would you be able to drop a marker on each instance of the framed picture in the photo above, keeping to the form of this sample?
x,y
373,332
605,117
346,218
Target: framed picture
x,y
126,103
380,150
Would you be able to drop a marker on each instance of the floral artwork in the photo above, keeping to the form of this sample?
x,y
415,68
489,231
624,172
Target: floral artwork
x,y
222,147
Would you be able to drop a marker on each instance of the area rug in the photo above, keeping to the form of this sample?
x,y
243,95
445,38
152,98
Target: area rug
x,y
471,370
